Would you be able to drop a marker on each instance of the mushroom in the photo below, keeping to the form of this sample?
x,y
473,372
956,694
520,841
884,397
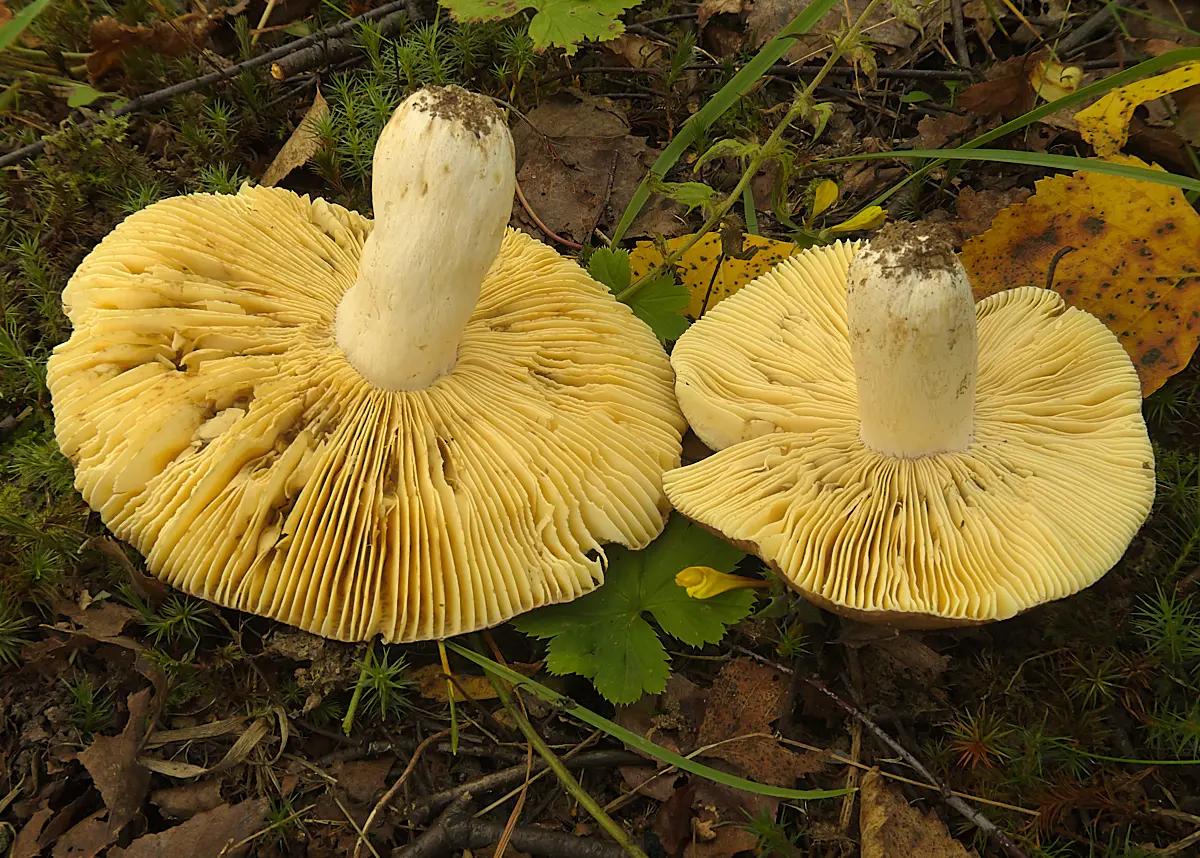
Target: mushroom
x,y
901,455
416,427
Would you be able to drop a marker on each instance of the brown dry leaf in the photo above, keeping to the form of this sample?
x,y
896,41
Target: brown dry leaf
x,y
102,621
111,40
890,828
708,8
86,839
184,802
5,13
564,170
975,210
1187,120
696,268
727,840
887,33
980,21
112,763
638,52
204,835
1167,19
934,132
1004,92
1134,265
301,146
432,683
745,698
26,843
363,780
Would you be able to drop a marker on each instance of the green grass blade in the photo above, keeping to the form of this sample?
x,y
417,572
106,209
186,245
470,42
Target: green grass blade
x,y
633,739
16,26
738,85
1098,88
1032,159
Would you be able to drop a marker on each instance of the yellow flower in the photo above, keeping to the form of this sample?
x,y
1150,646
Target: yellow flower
x,y
703,582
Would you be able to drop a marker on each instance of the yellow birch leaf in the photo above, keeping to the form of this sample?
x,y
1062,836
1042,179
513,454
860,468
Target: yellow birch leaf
x,y
825,195
1105,124
868,218
698,267
1132,261
1051,80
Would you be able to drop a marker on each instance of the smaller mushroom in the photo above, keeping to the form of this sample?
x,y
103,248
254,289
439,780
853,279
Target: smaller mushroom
x,y
902,455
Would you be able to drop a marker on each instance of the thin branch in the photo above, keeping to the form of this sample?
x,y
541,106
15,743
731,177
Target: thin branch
x,y
331,51
961,52
153,99
391,793
551,234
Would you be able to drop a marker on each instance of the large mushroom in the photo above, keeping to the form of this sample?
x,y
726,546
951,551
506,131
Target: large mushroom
x,y
902,455
415,427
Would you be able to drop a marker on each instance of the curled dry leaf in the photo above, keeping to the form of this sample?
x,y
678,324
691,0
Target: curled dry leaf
x,y
301,146
887,32
185,801
709,270
637,51
1005,91
111,40
934,132
432,683
708,8
1132,261
891,828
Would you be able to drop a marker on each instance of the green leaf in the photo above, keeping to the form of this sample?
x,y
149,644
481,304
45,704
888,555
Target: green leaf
x,y
556,23
611,267
605,635
915,97
83,95
660,304
726,149
16,26
691,194
633,740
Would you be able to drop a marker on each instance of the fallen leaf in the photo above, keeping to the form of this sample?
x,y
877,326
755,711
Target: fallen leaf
x,y
433,685
26,843
974,209
85,839
1187,120
564,169
102,621
890,828
934,132
111,40
698,269
980,21
708,8
184,802
1134,264
1105,124
205,835
6,14
638,52
300,146
1166,19
1051,80
727,840
673,820
1004,92
887,33
112,763
363,780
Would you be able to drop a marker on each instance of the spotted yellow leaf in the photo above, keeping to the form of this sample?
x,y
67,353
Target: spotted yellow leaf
x,y
1105,124
698,269
1123,250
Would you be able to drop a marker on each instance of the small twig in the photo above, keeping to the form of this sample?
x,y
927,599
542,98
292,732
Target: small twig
x,y
152,99
455,830
1075,39
1062,251
331,51
553,236
612,175
390,794
962,53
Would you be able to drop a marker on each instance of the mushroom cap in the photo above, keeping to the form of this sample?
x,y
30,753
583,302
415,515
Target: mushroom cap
x,y
215,425
1056,481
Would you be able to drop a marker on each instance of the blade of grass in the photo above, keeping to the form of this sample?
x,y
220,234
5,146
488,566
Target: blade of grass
x,y
1100,87
727,96
17,24
633,740
1032,159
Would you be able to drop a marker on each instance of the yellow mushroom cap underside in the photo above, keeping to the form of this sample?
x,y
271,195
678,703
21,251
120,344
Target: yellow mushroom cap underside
x,y
1057,480
215,424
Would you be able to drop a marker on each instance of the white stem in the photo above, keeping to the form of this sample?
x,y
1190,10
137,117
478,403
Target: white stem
x,y
912,337
444,174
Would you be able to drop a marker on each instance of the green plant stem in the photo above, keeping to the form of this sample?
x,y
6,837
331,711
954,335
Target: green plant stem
x,y
801,104
727,96
570,784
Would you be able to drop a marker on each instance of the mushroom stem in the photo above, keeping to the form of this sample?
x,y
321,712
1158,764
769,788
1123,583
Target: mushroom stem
x,y
911,318
444,173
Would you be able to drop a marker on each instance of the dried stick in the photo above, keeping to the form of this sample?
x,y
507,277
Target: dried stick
x,y
424,808
391,793
961,53
975,817
551,234
1076,38
455,830
152,99
331,51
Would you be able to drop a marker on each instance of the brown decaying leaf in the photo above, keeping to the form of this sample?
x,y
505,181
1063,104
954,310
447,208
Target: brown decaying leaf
x,y
86,839
1004,92
363,780
708,8
5,13
204,835
112,763
184,802
1134,264
890,828
111,40
564,167
934,132
975,210
26,843
433,685
636,51
767,17
300,146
